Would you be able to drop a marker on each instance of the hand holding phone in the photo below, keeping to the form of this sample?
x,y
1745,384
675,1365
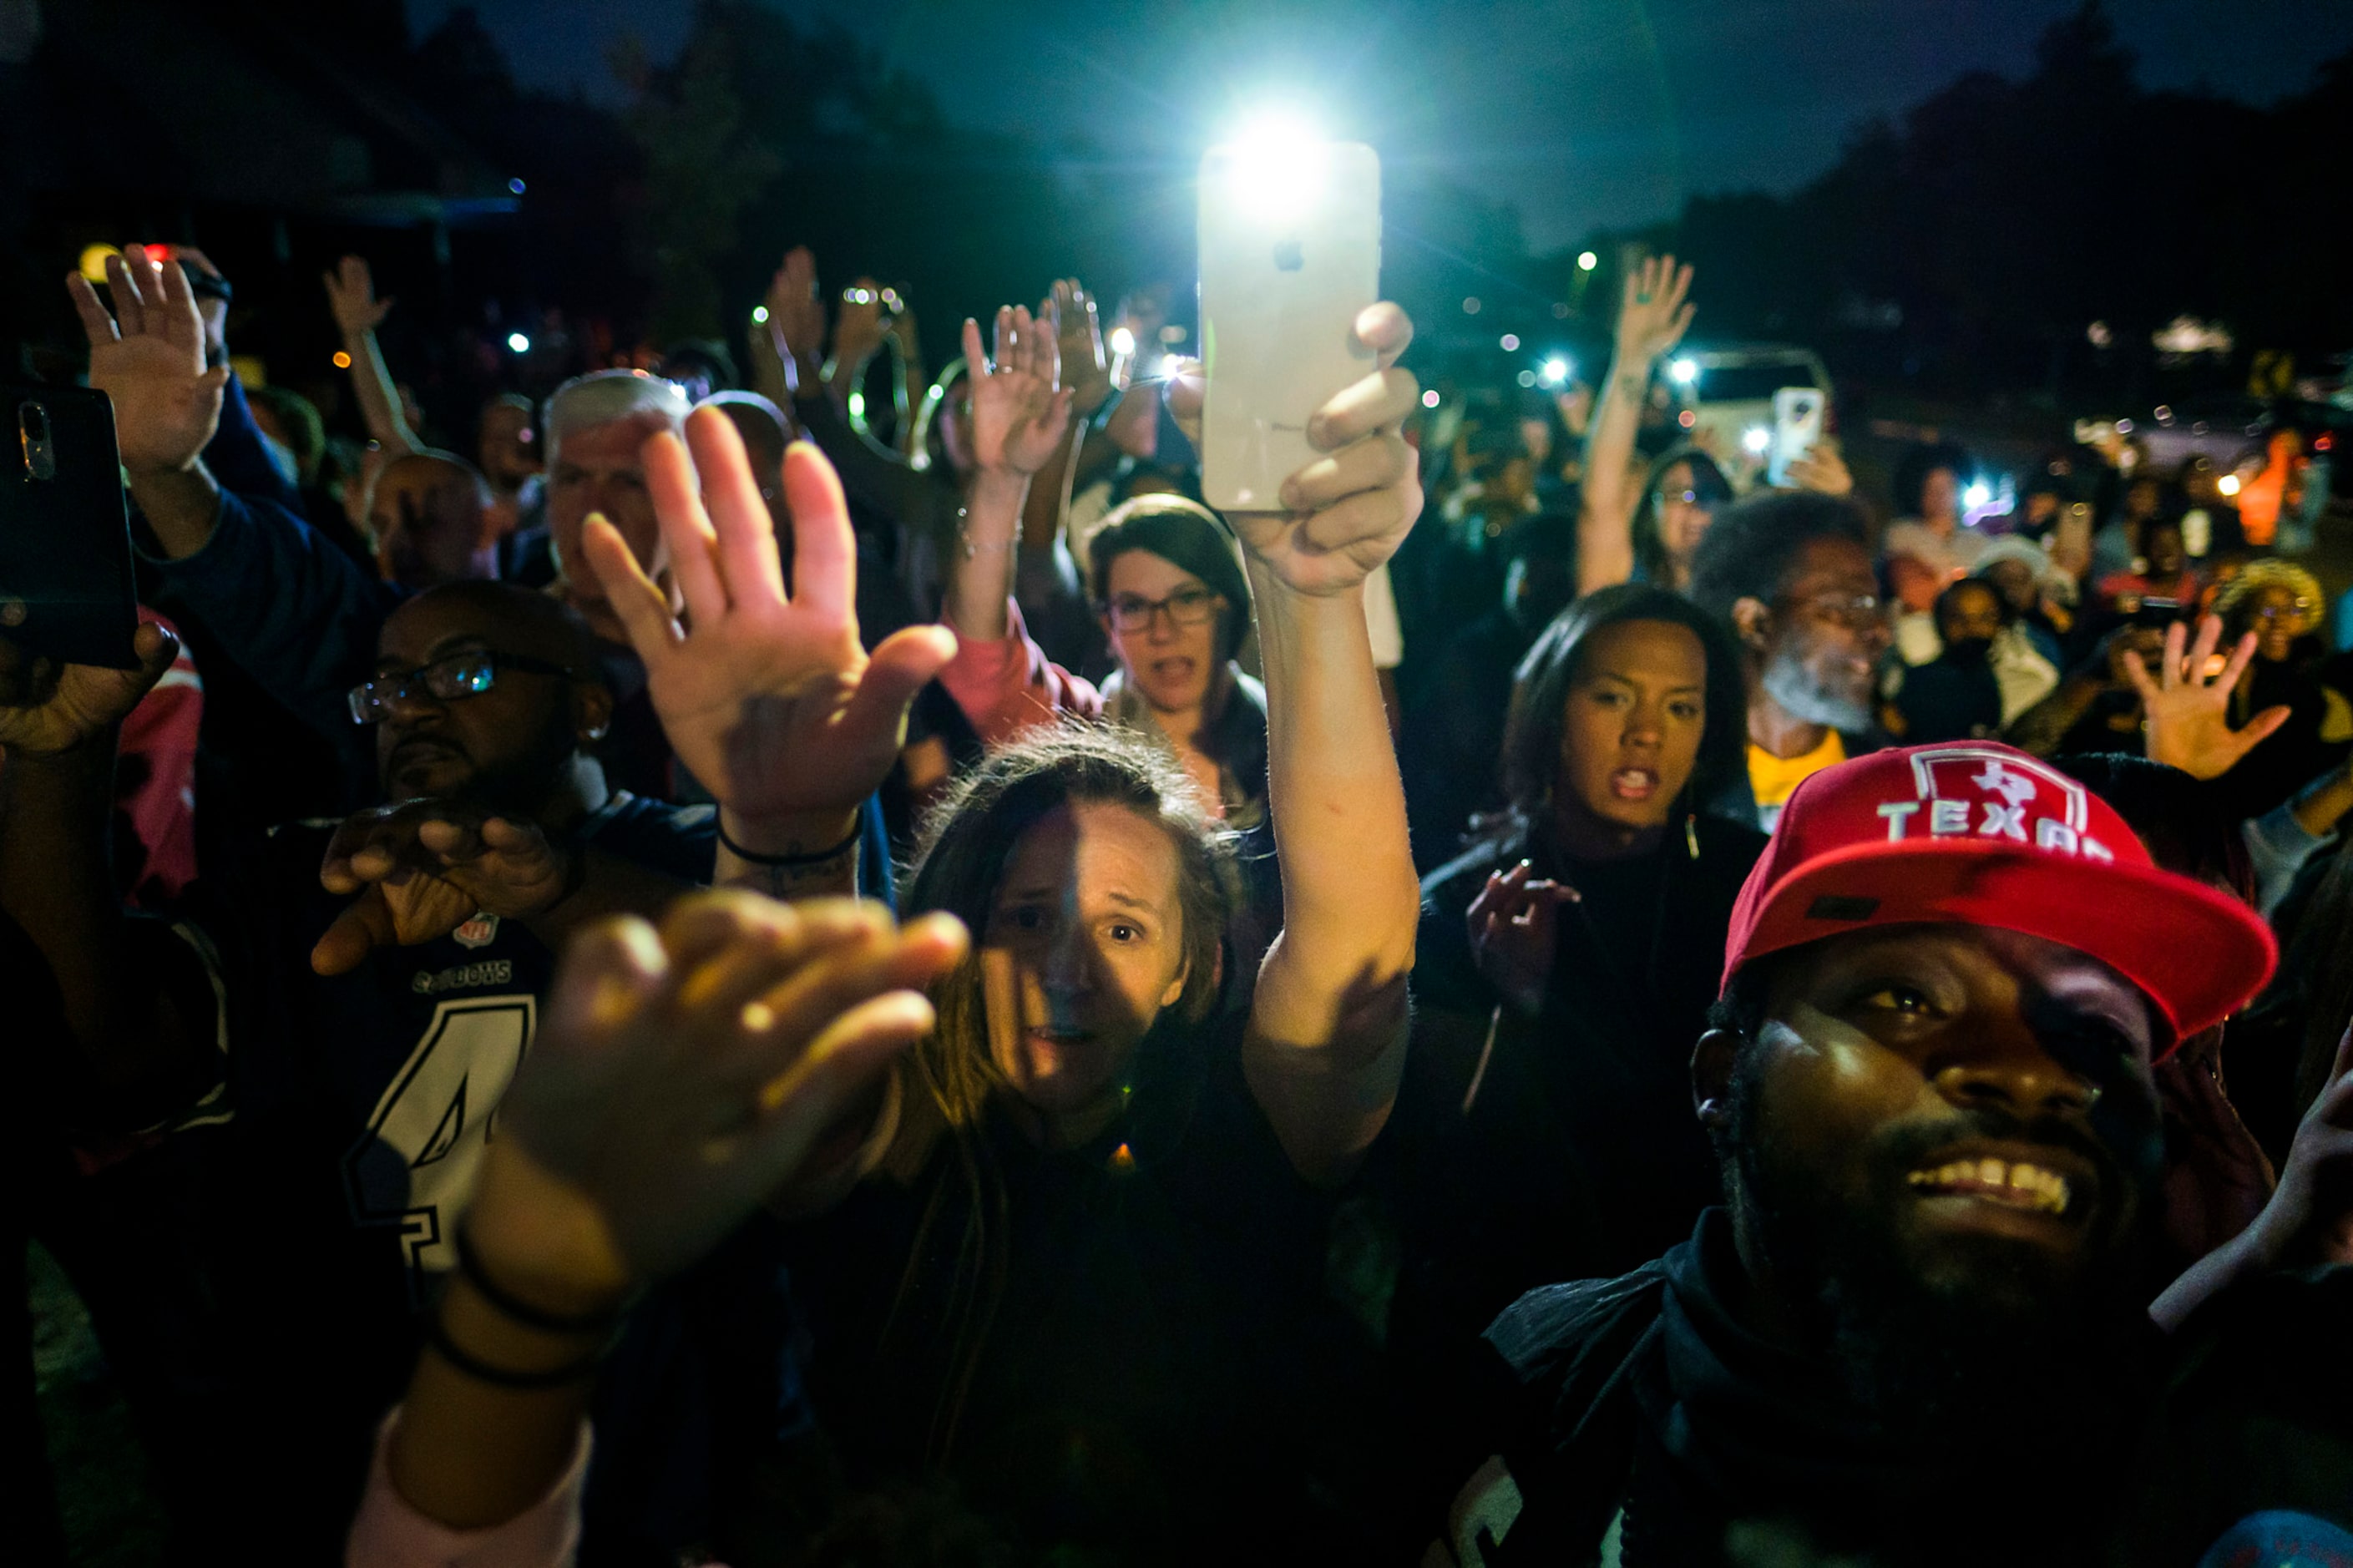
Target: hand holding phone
x,y
66,591
1291,254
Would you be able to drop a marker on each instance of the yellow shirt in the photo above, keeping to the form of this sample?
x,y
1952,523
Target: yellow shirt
x,y
1774,777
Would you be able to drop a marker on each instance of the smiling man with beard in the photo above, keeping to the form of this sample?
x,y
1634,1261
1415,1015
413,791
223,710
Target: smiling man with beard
x,y
1918,1332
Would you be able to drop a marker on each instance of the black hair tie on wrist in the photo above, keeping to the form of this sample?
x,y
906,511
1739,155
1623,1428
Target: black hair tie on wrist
x,y
466,1362
514,1308
856,831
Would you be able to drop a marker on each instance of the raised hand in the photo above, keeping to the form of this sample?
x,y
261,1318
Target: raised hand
x,y
149,359
1019,409
1653,315
768,698
351,296
424,868
2190,711
796,320
1513,925
48,709
1346,513
859,329
682,1076
1078,330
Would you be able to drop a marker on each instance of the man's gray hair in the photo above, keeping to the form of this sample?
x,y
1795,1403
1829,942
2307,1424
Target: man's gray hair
x,y
605,397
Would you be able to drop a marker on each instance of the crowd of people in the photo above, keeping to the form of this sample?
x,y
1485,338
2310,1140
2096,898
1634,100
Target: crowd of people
x,y
772,974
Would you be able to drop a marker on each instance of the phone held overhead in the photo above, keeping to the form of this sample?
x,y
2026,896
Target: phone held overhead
x,y
1291,253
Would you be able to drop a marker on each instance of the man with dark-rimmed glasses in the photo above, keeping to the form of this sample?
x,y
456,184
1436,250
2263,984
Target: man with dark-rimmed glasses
x,y
1791,573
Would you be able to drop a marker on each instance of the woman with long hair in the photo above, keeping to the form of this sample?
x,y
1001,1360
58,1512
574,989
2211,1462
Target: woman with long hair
x,y
1065,1252
1567,960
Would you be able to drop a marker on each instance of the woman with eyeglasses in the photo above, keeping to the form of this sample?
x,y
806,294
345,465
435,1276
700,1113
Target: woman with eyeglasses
x,y
1167,585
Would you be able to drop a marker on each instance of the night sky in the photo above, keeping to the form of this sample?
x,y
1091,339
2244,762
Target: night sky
x,y
1579,111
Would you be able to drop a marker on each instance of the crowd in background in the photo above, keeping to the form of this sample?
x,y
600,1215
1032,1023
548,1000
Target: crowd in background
x,y
1279,946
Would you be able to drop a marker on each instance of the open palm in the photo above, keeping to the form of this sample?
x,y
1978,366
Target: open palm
x,y
2189,708
767,698
148,357
1019,409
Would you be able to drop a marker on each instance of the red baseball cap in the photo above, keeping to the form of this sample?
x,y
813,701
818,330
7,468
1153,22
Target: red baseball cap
x,y
1979,834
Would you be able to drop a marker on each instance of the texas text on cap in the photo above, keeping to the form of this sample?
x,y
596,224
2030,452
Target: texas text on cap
x,y
1980,833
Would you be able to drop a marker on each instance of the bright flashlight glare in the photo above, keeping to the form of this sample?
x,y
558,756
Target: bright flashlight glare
x,y
1122,341
2227,484
1685,370
1277,160
518,342
1756,438
1555,372
759,315
1976,495
1587,261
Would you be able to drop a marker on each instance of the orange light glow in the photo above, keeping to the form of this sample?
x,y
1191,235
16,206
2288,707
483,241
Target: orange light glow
x,y
342,360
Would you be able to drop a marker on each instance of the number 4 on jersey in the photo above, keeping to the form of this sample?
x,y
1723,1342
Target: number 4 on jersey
x,y
415,1166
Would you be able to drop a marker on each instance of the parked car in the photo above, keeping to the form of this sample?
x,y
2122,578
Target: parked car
x,y
1726,398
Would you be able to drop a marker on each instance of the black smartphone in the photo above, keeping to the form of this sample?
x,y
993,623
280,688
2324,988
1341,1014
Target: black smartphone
x,y
2158,613
65,539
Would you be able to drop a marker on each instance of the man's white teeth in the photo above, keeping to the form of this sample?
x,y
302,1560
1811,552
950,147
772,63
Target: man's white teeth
x,y
2019,1184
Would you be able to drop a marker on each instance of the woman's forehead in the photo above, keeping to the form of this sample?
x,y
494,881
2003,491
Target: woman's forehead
x,y
1094,848
1142,571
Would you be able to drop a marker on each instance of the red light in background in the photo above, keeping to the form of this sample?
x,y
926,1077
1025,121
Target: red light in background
x,y
1687,419
2323,442
159,253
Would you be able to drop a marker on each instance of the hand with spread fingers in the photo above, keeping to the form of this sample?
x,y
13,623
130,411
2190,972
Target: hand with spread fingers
x,y
1513,925
1021,410
421,869
351,297
682,1075
767,696
148,357
2188,708
1348,512
49,709
1653,313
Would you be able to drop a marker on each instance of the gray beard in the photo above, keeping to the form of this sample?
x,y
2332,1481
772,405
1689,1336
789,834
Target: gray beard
x,y
1785,682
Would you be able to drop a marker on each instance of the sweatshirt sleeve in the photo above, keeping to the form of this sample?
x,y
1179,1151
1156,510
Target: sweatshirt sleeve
x,y
389,1533
297,612
1009,686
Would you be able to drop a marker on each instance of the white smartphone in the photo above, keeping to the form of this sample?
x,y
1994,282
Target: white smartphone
x,y
1797,424
1291,253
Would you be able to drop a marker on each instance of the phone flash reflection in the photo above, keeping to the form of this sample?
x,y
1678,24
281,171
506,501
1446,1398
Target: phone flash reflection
x,y
1122,341
1976,496
1756,438
1685,371
2227,484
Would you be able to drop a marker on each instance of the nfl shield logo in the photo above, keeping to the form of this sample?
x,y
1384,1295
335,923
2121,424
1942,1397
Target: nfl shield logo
x,y
480,932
